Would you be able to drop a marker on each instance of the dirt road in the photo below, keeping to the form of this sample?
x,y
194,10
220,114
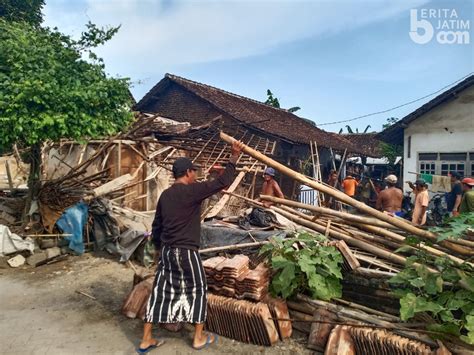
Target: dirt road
x,y
41,313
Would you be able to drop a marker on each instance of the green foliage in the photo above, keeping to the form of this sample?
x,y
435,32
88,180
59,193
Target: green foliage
x,y
49,91
22,11
391,151
455,227
304,263
448,295
390,121
274,102
271,100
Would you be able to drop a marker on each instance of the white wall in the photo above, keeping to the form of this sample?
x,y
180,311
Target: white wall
x,y
448,128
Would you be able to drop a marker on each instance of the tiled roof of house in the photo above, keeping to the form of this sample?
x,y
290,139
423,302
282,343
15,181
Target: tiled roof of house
x,y
367,142
274,121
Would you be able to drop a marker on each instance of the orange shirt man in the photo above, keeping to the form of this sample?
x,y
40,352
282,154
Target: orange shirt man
x,y
349,185
422,200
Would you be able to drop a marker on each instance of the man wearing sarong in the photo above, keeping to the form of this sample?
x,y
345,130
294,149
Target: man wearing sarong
x,y
179,291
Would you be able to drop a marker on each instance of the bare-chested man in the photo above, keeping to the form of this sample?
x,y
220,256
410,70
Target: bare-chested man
x,y
390,199
270,186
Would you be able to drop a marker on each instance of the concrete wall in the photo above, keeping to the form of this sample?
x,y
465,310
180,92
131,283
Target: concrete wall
x,y
448,128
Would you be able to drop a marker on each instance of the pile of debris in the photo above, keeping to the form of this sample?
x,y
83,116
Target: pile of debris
x,y
102,196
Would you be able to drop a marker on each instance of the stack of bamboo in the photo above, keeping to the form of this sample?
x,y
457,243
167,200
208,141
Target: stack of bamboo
x,y
372,236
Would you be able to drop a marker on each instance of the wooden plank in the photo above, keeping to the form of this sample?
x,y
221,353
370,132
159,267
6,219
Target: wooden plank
x,y
9,175
113,185
118,163
224,199
81,156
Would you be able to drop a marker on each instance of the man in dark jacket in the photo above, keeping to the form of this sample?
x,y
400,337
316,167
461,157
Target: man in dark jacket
x,y
180,290
453,198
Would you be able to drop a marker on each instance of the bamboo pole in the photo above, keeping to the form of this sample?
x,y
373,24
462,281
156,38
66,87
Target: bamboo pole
x,y
371,273
377,232
363,308
328,211
399,238
232,247
385,254
397,222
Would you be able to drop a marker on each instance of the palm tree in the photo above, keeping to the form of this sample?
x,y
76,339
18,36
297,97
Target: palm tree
x,y
273,101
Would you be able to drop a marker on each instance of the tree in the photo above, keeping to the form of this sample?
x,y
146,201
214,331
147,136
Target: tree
x,y
22,10
391,151
48,91
274,102
390,121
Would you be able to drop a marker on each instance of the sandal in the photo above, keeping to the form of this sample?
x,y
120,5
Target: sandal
x,y
208,342
150,348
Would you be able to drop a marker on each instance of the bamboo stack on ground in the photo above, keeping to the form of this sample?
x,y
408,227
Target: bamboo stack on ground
x,y
380,234
397,222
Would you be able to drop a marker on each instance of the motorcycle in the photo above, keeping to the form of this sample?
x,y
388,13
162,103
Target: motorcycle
x,y
437,210
407,206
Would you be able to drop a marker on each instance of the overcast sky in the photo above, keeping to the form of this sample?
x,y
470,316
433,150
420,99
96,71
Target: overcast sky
x,y
334,59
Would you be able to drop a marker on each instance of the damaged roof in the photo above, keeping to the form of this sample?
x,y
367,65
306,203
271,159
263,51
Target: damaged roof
x,y
255,114
367,142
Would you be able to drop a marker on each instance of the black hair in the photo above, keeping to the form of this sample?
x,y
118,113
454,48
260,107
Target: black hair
x,y
180,174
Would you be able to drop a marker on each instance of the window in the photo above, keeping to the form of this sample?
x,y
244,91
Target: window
x,y
448,168
453,156
428,156
427,167
444,163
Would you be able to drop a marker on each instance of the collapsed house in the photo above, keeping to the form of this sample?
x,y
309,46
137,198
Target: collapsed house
x,y
185,100
107,191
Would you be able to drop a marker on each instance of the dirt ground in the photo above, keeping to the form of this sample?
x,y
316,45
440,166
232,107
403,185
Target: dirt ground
x,y
42,313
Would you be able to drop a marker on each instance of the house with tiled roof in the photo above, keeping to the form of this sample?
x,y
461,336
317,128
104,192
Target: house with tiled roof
x,y
185,100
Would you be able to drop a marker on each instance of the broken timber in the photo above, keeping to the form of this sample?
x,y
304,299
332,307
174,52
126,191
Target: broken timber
x,y
224,199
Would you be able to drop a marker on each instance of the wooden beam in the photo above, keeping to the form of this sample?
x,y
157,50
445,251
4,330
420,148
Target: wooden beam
x,y
9,175
113,185
224,199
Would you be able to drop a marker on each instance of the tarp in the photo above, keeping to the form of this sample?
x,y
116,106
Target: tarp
x,y
11,243
104,226
72,222
217,236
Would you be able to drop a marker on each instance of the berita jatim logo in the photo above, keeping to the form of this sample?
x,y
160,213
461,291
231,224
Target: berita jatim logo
x,y
445,25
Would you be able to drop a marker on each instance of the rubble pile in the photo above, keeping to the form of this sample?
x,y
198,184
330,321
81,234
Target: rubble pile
x,y
102,196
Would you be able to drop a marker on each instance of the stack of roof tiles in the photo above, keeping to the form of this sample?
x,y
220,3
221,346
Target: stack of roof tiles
x,y
233,278
246,321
